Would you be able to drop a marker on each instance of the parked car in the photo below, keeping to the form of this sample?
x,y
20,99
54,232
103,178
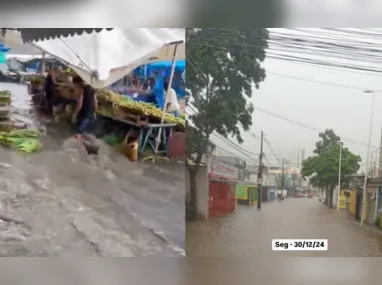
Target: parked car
x,y
8,75
310,195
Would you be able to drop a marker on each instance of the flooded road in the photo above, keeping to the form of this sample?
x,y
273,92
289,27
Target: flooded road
x,y
62,202
249,233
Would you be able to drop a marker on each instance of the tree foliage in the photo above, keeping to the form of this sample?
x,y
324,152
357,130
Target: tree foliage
x,y
223,66
322,168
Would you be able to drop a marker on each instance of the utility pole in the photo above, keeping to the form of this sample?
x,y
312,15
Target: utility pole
x,y
282,175
364,194
295,185
260,173
339,178
298,157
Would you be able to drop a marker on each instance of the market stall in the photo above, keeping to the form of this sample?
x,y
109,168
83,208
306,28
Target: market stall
x,y
105,56
143,120
151,78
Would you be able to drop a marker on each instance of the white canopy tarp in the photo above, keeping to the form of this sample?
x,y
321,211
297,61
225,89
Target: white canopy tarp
x,y
105,57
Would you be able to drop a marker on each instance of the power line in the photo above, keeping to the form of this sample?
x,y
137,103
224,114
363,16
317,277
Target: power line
x,y
329,50
350,49
271,149
242,151
321,82
237,147
311,128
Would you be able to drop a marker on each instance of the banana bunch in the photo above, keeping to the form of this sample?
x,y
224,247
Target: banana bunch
x,y
107,95
5,97
120,102
35,78
62,77
24,134
25,141
28,146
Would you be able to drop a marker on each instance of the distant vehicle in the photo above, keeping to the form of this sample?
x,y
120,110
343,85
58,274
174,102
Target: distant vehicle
x,y
284,193
9,75
297,195
310,195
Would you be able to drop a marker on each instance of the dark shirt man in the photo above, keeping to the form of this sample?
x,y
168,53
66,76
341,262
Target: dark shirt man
x,y
85,112
50,82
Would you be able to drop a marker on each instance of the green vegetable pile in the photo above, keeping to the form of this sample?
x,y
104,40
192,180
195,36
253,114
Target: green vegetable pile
x,y
5,97
25,141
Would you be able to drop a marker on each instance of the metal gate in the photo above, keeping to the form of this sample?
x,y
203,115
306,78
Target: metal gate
x,y
358,206
222,198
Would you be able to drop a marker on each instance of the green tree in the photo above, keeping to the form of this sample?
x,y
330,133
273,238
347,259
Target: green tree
x,y
322,167
223,66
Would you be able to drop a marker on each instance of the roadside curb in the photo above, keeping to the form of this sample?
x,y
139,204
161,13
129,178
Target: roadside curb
x,y
370,228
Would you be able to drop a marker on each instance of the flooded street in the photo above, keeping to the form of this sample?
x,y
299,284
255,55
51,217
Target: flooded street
x,y
249,233
62,202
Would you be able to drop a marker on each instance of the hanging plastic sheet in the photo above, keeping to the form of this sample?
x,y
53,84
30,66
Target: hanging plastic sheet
x,y
2,57
105,57
4,49
163,71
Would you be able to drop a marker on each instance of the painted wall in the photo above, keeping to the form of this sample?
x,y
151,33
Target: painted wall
x,y
220,169
352,202
202,184
242,192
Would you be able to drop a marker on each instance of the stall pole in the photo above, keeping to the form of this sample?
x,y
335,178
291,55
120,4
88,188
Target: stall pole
x,y
166,99
43,63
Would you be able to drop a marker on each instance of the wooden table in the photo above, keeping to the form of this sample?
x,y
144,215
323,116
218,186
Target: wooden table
x,y
148,134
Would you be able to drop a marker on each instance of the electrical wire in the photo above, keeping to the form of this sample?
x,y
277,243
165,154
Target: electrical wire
x,y
298,123
246,153
331,45
308,127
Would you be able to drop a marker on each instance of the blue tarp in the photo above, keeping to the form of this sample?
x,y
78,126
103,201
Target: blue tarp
x,y
180,65
163,69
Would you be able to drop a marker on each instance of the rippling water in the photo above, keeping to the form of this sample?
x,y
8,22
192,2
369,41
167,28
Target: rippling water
x,y
62,202
249,233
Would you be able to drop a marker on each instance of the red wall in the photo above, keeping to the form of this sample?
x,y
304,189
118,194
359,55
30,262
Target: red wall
x,y
177,145
222,198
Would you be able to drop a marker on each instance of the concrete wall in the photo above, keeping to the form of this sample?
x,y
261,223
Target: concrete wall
x,y
253,178
371,195
202,187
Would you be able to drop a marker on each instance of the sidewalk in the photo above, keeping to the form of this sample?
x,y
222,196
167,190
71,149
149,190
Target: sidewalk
x,y
369,227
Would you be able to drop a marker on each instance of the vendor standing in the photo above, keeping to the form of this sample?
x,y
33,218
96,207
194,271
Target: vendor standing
x,y
85,112
172,106
50,82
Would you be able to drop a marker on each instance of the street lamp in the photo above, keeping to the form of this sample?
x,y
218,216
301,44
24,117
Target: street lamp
x,y
367,158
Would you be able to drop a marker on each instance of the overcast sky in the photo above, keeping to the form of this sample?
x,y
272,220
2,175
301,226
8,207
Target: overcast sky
x,y
345,110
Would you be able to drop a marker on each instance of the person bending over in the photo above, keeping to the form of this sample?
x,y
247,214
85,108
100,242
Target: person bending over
x,y
85,111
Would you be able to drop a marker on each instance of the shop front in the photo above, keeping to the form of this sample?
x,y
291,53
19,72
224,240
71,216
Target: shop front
x,y
222,189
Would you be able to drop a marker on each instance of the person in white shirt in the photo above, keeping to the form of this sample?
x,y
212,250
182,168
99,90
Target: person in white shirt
x,y
172,106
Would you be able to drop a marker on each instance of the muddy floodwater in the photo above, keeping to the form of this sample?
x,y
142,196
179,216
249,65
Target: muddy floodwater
x,y
62,202
249,232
